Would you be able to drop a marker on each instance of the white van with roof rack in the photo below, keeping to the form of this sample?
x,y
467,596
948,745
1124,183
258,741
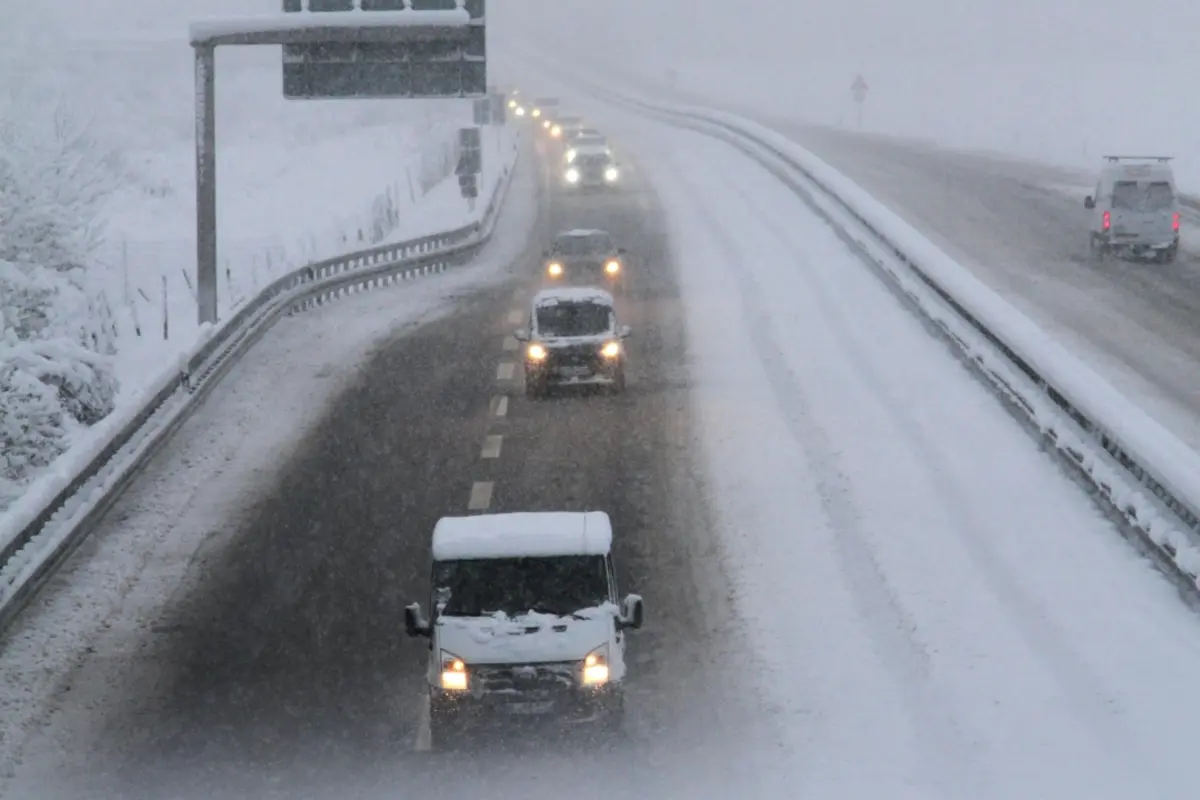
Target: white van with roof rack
x,y
1135,210
524,622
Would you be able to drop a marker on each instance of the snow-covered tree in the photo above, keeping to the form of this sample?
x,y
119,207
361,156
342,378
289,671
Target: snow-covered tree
x,y
56,371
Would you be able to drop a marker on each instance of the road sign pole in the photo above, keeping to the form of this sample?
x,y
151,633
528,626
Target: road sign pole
x,y
206,184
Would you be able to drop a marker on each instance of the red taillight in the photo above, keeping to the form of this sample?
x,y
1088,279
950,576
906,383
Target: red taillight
x,y
1175,221
1107,220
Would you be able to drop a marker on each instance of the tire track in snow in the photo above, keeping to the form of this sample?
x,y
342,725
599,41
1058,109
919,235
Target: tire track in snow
x,y
892,627
1091,700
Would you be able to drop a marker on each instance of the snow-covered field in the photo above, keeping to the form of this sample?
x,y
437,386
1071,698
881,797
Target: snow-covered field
x,y
1056,80
107,90
936,609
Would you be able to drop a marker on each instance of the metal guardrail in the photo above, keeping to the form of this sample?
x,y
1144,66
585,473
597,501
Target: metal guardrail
x,y
1085,439
49,537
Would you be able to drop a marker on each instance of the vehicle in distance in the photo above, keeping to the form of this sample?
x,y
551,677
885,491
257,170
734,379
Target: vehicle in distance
x,y
573,339
562,127
544,107
591,168
585,138
585,255
1135,210
524,622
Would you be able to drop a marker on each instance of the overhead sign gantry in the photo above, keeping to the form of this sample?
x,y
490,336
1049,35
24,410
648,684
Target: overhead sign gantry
x,y
352,49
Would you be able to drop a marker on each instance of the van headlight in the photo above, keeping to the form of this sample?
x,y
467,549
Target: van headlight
x,y
537,112
555,269
520,111
595,667
611,174
572,175
454,673
611,349
571,155
555,131
612,267
535,352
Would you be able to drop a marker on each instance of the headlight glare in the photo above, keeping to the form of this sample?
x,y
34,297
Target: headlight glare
x,y
595,667
571,154
555,269
611,174
611,350
535,352
572,175
556,131
454,673
537,112
612,267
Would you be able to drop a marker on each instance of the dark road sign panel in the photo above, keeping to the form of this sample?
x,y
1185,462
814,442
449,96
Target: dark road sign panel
x,y
435,61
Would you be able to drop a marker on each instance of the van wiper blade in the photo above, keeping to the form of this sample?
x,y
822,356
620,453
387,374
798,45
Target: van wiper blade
x,y
557,612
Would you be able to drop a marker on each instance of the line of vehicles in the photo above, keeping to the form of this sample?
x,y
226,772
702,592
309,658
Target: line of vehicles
x,y
525,618
587,161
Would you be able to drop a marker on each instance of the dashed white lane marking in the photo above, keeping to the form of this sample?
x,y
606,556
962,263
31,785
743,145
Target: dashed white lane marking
x,y
491,446
423,741
510,343
516,316
499,406
504,371
481,496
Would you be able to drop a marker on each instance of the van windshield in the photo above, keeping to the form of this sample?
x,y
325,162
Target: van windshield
x,y
1134,196
558,585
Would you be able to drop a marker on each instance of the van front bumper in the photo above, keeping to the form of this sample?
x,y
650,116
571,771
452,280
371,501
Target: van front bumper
x,y
563,706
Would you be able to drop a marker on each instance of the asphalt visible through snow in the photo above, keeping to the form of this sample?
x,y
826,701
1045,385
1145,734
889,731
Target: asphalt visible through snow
x,y
285,671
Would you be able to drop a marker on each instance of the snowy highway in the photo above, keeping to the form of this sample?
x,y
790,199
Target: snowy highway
x,y
1011,222
863,578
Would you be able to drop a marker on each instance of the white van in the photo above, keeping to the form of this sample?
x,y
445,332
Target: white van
x,y
1135,210
525,622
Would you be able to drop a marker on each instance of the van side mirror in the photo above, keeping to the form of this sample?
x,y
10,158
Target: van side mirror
x,y
415,623
632,611
521,335
623,332
623,251
1089,202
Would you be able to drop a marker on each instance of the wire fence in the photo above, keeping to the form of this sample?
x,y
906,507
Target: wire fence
x,y
145,288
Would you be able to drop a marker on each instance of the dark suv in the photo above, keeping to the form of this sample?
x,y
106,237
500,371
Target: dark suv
x,y
585,257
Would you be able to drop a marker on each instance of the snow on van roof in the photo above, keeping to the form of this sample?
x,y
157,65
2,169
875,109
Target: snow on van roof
x,y
572,294
528,533
581,232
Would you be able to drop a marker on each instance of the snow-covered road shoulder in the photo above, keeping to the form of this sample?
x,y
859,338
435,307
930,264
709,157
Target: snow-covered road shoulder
x,y
936,606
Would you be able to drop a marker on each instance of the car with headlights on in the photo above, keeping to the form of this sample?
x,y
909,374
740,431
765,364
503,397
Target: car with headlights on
x,y
524,623
590,168
585,138
573,339
587,256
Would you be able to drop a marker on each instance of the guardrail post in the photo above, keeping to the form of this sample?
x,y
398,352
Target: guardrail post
x,y
206,184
